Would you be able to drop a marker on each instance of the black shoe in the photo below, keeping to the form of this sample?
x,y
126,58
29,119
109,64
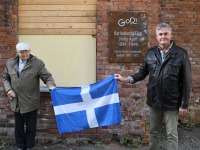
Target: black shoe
x,y
29,149
19,148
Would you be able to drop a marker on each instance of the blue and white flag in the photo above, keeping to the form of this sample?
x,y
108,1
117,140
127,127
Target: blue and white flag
x,y
80,108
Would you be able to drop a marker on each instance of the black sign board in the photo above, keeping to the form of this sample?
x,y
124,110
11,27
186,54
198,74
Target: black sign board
x,y
127,36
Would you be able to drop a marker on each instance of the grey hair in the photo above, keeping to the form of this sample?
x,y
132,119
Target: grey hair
x,y
163,25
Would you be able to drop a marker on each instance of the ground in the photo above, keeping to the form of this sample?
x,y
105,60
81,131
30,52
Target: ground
x,y
188,140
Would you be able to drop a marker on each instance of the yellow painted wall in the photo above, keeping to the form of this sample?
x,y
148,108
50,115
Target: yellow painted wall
x,y
70,58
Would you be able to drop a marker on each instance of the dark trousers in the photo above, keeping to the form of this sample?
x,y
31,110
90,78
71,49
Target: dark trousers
x,y
25,129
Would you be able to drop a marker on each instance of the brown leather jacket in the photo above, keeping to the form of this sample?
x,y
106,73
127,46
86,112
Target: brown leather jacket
x,y
27,85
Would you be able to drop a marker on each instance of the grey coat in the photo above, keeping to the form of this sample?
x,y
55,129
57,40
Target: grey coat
x,y
27,85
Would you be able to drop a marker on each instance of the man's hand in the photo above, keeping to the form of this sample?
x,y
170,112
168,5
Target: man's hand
x,y
118,77
182,111
51,88
11,94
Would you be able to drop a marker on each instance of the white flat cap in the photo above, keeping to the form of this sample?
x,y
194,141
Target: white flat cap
x,y
22,46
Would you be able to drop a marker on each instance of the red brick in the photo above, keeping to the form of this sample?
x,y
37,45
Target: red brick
x,y
184,18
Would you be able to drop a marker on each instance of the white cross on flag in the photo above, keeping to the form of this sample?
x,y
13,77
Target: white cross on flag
x,y
80,108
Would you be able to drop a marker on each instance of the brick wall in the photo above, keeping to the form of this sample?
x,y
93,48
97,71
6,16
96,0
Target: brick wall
x,y
182,15
8,38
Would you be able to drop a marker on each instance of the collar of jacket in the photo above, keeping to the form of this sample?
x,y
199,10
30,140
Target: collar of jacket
x,y
172,51
29,59
16,61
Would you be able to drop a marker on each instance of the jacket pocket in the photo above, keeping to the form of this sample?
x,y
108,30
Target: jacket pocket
x,y
14,75
29,74
173,92
151,66
173,96
173,69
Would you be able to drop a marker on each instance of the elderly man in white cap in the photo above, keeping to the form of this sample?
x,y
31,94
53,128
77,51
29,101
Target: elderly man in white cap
x,y
22,84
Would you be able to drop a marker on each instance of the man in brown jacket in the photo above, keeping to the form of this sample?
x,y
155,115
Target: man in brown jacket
x,y
22,84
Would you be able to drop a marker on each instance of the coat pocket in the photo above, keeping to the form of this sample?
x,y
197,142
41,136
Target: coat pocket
x,y
152,66
173,69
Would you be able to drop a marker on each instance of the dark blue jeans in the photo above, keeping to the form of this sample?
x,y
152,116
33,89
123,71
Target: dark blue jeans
x,y
25,129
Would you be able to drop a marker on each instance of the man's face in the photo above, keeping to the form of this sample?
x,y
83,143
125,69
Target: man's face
x,y
24,54
163,36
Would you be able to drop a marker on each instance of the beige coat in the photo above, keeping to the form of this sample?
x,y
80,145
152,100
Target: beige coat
x,y
27,85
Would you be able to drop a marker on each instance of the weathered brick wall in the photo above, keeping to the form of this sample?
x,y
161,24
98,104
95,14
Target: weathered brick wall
x,y
182,15
8,38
